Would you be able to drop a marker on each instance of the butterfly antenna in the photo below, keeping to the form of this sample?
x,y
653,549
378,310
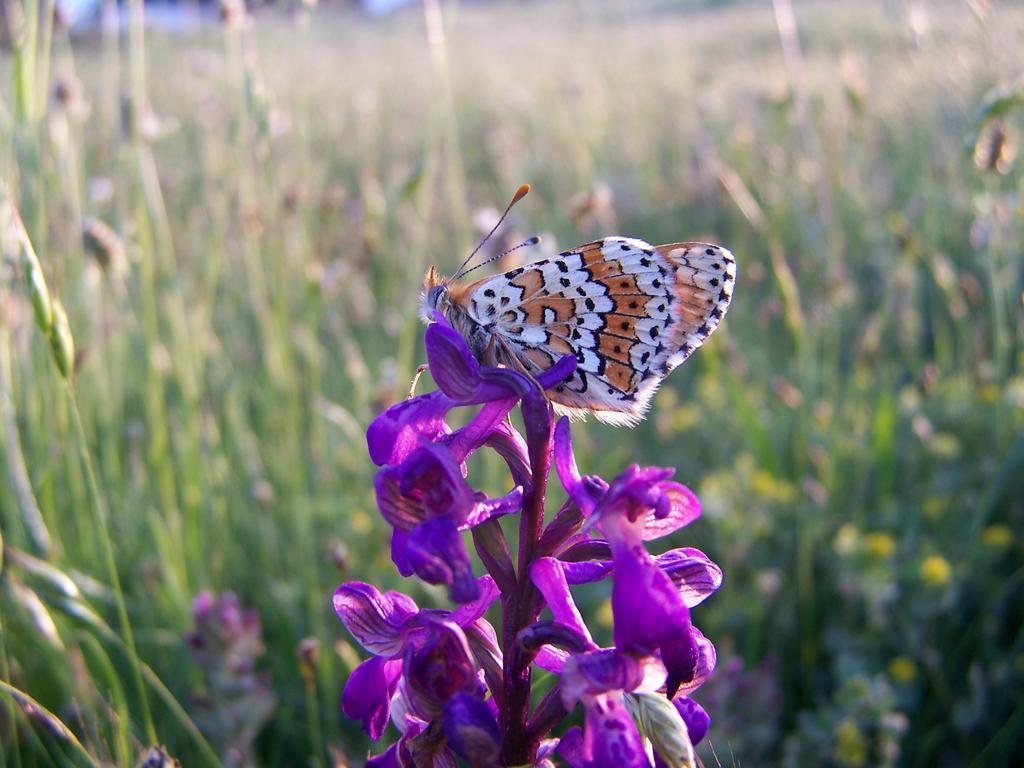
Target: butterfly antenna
x,y
519,195
532,241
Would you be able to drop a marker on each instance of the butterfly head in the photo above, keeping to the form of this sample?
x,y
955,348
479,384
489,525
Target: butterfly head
x,y
437,289
435,296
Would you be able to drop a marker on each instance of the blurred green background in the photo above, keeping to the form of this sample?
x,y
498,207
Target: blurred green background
x,y
237,213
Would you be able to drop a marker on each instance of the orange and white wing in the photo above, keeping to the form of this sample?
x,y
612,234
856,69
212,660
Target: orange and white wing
x,y
630,312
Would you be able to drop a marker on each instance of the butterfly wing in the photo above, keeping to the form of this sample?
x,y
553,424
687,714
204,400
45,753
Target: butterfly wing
x,y
630,312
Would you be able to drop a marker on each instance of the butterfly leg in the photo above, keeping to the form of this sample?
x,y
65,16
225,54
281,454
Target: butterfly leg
x,y
415,380
492,355
499,353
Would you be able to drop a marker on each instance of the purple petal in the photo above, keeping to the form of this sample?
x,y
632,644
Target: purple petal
x,y
559,372
692,572
433,477
438,555
400,552
582,493
469,612
368,692
546,641
707,658
586,572
634,494
471,730
646,605
397,509
510,445
402,754
438,666
402,603
570,748
389,759
203,606
610,737
394,434
682,508
551,659
477,432
452,365
681,656
547,575
483,641
485,509
429,482
460,376
650,614
546,753
598,672
376,621
583,546
441,758
553,633
697,720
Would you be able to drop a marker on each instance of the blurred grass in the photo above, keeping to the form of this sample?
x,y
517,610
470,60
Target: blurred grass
x,y
274,191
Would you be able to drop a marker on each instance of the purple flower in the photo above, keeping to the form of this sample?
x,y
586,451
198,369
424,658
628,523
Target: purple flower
x,y
697,720
421,490
463,381
651,613
226,644
599,681
396,433
599,677
472,730
430,654
368,692
453,688
662,506
428,502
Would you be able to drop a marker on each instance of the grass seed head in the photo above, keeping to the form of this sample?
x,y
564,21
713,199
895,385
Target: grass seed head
x,y
103,244
13,231
157,757
996,148
61,341
232,13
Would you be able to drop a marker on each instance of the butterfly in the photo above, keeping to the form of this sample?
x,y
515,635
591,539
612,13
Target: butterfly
x,y
630,312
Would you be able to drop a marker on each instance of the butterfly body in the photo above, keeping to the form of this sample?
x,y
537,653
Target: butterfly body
x,y
630,312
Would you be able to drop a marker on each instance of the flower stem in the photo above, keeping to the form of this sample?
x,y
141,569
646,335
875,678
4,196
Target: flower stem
x,y
520,609
102,519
